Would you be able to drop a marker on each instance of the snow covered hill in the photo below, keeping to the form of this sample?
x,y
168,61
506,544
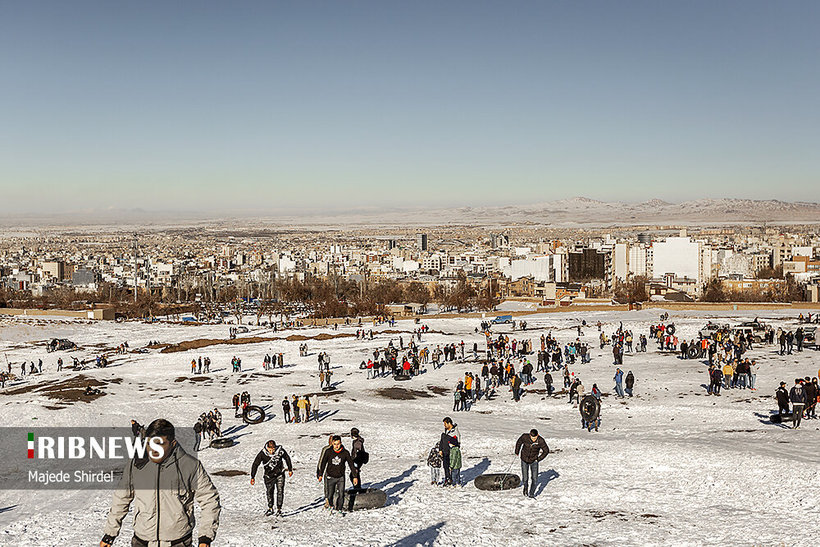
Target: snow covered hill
x,y
670,466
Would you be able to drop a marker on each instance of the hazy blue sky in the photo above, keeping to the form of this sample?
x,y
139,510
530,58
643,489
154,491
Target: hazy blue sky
x,y
265,105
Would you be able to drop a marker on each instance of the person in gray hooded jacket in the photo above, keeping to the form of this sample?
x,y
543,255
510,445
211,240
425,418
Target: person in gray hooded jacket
x,y
163,488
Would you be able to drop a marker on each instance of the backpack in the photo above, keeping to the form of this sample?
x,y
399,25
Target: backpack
x,y
362,457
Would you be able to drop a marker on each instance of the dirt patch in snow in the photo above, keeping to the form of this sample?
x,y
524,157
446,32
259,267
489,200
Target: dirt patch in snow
x,y
70,390
205,342
323,336
229,473
400,393
193,379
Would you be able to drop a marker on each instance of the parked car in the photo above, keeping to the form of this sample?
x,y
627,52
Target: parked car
x,y
810,337
757,336
709,330
755,325
503,319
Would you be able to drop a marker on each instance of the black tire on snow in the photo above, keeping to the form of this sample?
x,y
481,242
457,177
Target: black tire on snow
x,y
590,408
249,412
402,377
497,481
670,329
780,418
369,498
694,352
222,442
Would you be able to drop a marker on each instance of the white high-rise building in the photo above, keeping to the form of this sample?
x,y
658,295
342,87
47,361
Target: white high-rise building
x,y
683,258
637,259
620,261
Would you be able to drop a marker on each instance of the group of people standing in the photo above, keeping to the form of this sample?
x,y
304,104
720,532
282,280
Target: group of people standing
x,y
300,409
200,365
803,396
208,425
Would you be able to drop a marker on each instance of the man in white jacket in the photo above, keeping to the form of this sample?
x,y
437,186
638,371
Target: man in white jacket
x,y
163,488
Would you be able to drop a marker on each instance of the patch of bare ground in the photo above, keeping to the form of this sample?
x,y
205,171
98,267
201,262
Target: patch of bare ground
x,y
193,379
322,336
206,342
70,390
229,473
401,394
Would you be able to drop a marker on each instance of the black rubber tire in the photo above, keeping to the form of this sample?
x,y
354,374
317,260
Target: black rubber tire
x,y
402,377
780,418
497,481
369,498
222,442
590,408
253,409
670,329
693,352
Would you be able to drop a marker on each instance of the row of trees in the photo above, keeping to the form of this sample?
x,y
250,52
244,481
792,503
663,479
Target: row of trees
x,y
318,297
790,291
634,290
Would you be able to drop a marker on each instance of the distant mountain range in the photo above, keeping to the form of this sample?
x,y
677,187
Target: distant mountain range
x,y
591,212
578,211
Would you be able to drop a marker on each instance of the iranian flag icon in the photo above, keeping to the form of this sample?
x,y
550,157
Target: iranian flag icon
x,y
31,446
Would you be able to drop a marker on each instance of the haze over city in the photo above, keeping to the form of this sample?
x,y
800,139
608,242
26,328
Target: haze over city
x,y
266,107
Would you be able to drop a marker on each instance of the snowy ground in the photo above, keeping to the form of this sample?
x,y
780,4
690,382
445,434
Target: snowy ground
x,y
670,466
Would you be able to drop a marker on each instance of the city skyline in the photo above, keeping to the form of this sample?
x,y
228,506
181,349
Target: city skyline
x,y
316,106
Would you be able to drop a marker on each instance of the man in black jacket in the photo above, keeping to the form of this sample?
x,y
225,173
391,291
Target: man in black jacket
x,y
811,396
359,455
448,438
332,466
532,448
271,458
798,398
782,396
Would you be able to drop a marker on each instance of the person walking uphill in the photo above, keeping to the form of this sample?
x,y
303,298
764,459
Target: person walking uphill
x,y
271,458
359,455
630,383
163,488
532,448
332,467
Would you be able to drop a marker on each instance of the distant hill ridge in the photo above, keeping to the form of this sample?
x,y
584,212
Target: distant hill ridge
x,y
560,213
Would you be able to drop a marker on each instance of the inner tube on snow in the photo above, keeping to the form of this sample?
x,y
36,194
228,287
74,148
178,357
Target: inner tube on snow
x,y
590,408
253,414
222,442
670,329
368,498
402,377
497,481
694,352
780,418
